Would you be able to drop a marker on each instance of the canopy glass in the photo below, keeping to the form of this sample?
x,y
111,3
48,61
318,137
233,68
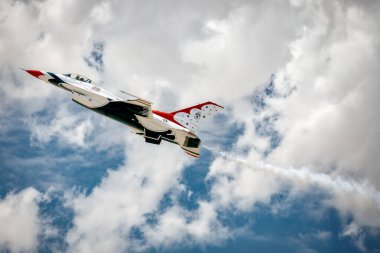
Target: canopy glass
x,y
79,77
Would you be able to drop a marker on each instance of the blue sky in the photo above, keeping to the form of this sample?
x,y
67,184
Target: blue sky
x,y
290,165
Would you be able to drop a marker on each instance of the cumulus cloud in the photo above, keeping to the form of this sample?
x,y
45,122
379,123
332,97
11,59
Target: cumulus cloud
x,y
324,97
320,120
326,116
332,116
65,126
177,226
20,224
245,183
104,218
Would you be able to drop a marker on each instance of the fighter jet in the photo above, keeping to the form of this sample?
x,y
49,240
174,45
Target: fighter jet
x,y
179,127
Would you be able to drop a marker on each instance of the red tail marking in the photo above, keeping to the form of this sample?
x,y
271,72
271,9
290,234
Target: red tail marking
x,y
167,116
199,106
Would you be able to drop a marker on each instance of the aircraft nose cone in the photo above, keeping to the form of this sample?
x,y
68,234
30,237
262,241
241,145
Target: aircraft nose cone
x,y
35,73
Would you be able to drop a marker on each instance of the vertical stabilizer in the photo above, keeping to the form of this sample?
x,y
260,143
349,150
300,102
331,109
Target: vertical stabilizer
x,y
192,116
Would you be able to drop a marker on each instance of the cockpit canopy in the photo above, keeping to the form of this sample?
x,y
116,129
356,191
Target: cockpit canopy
x,y
79,77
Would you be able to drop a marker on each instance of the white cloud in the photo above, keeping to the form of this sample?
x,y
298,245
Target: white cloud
x,y
356,233
329,123
66,126
104,218
177,226
331,117
20,224
325,52
102,13
237,185
320,235
327,120
241,51
242,183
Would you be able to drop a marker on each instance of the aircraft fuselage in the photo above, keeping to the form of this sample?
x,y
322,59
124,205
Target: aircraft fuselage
x,y
177,127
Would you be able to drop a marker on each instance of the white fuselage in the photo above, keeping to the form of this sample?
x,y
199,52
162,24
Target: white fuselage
x,y
133,111
90,89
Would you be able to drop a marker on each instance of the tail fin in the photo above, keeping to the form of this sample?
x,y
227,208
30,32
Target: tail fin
x,y
192,116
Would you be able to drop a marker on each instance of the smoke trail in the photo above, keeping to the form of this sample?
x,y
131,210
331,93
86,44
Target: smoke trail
x,y
359,191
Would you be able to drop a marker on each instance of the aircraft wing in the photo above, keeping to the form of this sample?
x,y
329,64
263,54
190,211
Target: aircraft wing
x,y
88,99
91,99
146,118
145,105
140,107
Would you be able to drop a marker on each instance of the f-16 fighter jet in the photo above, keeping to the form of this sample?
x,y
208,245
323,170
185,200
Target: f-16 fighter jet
x,y
179,127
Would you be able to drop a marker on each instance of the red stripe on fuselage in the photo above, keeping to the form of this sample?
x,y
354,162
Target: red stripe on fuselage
x,y
167,116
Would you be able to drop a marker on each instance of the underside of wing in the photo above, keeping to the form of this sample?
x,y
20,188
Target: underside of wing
x,y
140,107
89,100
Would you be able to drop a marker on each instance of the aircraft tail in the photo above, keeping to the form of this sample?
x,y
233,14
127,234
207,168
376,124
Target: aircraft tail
x,y
192,116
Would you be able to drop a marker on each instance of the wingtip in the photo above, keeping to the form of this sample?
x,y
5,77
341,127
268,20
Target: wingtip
x,y
216,104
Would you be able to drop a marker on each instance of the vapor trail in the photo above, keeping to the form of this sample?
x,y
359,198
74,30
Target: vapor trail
x,y
335,185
